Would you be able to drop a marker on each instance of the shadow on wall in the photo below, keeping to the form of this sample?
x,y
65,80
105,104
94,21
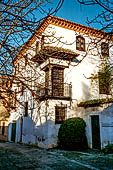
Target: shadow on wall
x,y
85,92
4,130
4,114
26,131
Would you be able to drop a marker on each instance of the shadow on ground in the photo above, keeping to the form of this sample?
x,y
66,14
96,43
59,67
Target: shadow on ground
x,y
21,157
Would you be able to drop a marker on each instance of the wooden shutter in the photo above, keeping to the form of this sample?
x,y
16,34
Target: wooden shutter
x,y
58,81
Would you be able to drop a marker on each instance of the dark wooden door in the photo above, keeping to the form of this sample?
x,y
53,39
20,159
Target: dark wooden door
x,y
95,132
58,81
13,131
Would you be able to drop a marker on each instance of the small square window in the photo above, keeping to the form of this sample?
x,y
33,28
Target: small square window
x,y
60,114
80,43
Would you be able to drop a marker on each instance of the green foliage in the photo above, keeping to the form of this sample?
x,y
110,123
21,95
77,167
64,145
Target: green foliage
x,y
105,80
95,102
72,134
108,149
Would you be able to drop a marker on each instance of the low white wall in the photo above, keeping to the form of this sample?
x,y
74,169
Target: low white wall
x,y
28,133
47,134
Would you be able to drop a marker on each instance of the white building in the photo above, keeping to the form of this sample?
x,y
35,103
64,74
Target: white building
x,y
62,63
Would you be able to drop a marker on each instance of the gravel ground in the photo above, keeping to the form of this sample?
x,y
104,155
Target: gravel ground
x,y
21,157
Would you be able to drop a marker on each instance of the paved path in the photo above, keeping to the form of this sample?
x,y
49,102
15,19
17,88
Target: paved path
x,y
22,157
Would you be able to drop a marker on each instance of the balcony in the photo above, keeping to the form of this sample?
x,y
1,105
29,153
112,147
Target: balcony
x,y
56,91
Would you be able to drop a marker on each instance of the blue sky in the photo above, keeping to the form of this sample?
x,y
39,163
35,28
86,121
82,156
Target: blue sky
x,y
73,11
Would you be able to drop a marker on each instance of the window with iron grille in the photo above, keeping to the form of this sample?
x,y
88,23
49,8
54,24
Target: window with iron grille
x,y
80,43
104,49
60,114
58,81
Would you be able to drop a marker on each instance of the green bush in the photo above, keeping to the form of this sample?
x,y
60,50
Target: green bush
x,y
72,134
108,149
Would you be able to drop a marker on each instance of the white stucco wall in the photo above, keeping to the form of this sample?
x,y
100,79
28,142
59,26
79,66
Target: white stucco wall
x,y
39,127
105,113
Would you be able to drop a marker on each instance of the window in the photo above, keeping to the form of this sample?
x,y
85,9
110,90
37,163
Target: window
x,y
58,81
104,49
80,43
26,109
60,114
104,82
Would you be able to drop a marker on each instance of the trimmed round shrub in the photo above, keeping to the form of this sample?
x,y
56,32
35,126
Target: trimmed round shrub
x,y
71,134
